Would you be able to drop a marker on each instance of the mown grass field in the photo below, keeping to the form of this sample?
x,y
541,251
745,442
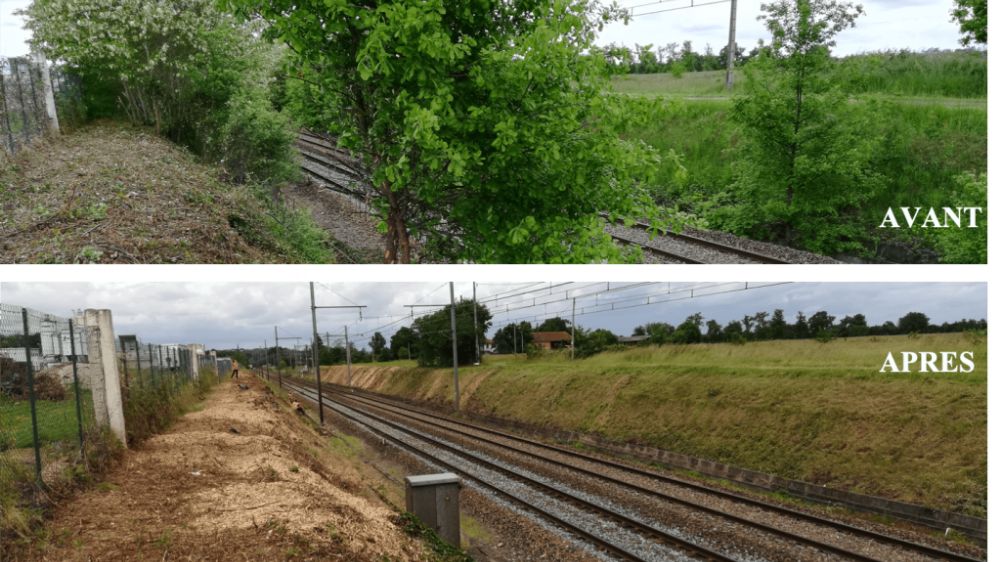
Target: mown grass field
x,y
56,419
819,412
929,135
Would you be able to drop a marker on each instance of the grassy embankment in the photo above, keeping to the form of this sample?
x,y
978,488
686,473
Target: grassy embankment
x,y
819,412
931,113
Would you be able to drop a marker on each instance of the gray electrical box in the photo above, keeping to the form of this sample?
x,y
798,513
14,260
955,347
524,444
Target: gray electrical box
x,y
433,498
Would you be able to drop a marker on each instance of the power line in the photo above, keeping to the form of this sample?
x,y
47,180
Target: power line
x,y
664,10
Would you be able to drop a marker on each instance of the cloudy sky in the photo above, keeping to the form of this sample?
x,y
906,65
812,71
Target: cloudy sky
x,y
224,315
889,24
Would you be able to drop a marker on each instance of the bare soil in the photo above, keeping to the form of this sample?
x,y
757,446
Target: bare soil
x,y
240,479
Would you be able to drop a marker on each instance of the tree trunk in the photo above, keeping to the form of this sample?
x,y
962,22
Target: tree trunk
x,y
397,240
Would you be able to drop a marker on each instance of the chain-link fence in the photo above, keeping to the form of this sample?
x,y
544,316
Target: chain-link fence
x,y
46,401
143,364
35,98
54,389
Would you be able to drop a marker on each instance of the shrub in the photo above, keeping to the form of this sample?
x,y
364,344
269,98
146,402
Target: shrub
x,y
256,141
185,67
965,245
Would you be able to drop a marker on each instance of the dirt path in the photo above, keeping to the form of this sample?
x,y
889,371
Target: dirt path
x,y
241,479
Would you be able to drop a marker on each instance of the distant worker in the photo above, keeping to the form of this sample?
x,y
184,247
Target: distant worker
x,y
236,370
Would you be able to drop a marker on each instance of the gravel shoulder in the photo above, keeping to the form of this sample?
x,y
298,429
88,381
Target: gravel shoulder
x,y
347,221
239,479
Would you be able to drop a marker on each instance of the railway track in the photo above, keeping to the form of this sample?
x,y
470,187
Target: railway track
x,y
338,170
629,538
822,527
681,247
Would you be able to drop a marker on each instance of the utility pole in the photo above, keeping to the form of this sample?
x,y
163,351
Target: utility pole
x,y
347,348
731,55
315,346
277,355
347,341
454,345
454,337
267,361
572,341
475,321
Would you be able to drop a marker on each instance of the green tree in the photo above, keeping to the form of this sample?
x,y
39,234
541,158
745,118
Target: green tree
x,y
377,344
487,126
713,332
402,343
779,328
733,332
804,176
820,322
853,326
660,332
433,335
513,338
556,324
971,18
689,331
913,323
801,328
593,342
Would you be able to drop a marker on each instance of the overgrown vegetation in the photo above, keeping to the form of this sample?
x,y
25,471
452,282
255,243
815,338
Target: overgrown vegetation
x,y
775,406
924,156
149,200
186,67
486,128
152,407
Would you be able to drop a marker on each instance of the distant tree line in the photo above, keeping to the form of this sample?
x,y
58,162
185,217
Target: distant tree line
x,y
428,340
822,325
675,58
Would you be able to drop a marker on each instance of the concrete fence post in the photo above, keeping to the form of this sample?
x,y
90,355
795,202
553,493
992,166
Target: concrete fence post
x,y
193,363
107,391
50,98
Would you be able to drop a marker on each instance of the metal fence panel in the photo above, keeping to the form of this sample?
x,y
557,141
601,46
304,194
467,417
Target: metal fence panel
x,y
23,114
46,407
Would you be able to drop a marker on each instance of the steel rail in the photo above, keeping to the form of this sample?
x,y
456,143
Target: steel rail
x,y
667,497
696,240
790,512
658,251
625,520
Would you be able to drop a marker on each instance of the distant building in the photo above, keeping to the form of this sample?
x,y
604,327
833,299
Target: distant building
x,y
551,340
489,346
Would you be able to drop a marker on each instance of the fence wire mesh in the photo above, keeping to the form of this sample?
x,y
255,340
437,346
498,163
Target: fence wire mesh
x,y
46,401
26,89
48,386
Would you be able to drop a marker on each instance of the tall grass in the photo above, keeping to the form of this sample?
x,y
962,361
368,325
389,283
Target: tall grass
x,y
956,74
151,408
949,74
925,149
